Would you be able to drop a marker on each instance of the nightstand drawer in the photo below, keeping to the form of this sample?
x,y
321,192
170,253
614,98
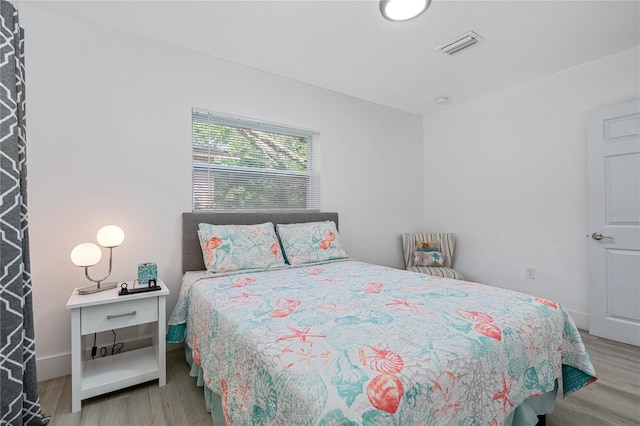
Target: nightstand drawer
x,y
110,316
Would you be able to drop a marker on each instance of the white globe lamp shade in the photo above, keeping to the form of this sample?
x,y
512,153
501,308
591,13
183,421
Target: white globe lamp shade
x,y
86,254
403,10
110,236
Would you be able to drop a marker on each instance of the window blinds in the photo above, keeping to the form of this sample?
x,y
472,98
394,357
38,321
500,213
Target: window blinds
x,y
240,164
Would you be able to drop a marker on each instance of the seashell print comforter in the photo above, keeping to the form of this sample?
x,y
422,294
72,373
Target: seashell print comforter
x,y
351,343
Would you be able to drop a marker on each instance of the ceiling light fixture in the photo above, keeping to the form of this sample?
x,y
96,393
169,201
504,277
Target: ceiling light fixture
x,y
459,43
403,10
442,100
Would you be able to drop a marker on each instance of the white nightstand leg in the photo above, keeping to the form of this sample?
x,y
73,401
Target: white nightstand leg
x,y
162,341
76,361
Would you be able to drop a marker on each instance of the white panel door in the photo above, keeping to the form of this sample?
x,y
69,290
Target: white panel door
x,y
614,222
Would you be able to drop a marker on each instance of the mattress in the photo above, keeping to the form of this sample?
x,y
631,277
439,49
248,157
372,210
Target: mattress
x,y
348,343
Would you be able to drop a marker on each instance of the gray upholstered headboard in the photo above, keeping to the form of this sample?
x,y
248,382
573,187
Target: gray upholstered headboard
x,y
191,251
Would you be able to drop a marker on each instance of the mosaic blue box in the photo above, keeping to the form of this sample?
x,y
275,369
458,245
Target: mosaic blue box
x,y
147,272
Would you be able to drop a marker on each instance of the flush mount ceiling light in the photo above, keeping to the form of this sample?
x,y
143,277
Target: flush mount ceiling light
x,y
459,43
403,10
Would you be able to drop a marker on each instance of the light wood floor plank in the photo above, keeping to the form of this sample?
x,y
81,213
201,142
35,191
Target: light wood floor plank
x,y
613,400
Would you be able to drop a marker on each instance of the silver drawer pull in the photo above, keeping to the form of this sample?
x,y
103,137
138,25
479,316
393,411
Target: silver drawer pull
x,y
121,315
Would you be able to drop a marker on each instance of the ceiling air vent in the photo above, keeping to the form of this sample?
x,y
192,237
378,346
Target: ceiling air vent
x,y
459,43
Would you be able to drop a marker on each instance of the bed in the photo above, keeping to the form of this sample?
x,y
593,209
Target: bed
x,y
337,341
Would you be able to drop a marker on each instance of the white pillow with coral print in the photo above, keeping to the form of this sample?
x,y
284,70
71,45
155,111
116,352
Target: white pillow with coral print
x,y
310,242
236,247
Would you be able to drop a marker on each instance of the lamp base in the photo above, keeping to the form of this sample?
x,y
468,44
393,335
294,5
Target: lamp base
x,y
90,289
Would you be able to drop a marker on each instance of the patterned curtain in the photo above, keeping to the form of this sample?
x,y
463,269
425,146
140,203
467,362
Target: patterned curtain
x,y
19,402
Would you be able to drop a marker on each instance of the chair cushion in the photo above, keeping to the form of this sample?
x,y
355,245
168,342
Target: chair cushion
x,y
447,245
437,271
428,258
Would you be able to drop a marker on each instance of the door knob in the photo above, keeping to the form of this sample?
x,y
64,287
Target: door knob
x,y
598,236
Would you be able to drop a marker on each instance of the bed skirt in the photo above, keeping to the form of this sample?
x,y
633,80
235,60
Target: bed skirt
x,y
530,413
212,400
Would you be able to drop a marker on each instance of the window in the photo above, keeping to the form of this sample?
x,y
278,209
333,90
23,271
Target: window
x,y
239,164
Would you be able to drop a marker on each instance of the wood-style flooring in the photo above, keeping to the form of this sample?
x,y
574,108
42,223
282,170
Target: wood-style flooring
x,y
613,400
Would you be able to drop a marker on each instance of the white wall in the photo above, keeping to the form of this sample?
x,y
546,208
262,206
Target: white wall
x,y
109,139
508,175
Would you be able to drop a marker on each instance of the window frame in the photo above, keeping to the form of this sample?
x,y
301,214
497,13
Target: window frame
x,y
311,175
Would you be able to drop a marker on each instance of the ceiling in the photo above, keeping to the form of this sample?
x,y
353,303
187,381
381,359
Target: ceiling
x,y
347,47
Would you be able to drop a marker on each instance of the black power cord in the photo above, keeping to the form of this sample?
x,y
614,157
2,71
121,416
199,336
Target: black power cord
x,y
116,348
94,349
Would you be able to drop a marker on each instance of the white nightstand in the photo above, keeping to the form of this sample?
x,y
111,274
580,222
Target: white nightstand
x,y
93,313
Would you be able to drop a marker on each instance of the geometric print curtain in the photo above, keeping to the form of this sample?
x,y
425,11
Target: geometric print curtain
x,y
19,402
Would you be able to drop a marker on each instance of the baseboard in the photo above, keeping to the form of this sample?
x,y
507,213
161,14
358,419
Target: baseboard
x,y
53,366
581,319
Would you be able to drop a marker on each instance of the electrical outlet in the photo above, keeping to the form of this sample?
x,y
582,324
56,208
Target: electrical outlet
x,y
530,273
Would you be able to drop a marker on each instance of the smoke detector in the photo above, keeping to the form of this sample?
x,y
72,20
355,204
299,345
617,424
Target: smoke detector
x,y
459,43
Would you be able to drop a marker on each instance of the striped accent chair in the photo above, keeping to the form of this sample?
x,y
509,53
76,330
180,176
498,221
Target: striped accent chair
x,y
447,246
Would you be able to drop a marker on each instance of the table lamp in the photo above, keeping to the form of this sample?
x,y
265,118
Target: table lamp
x,y
89,254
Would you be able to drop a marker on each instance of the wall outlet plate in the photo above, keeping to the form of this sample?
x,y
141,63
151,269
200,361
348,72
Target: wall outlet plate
x,y
530,273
